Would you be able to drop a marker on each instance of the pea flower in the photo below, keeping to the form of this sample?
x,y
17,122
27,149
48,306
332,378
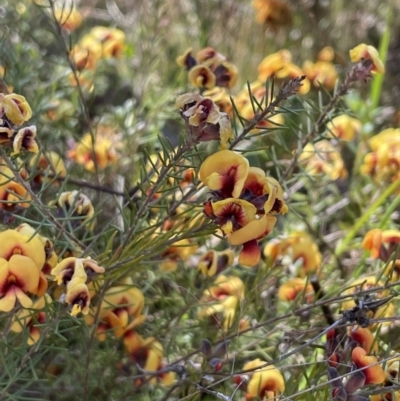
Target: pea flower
x,y
364,338
212,262
31,319
322,157
381,164
76,273
12,194
69,18
222,299
178,251
292,288
225,171
302,250
47,163
363,51
265,384
280,66
149,357
21,261
76,205
103,149
208,69
120,310
203,119
374,373
14,108
272,13
112,41
343,127
25,139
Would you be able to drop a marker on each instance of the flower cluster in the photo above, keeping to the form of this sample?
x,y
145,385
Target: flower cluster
x,y
343,127
23,255
208,69
382,164
280,66
244,201
323,158
272,13
14,112
247,108
75,274
221,300
263,383
99,44
303,252
203,119
77,207
323,71
94,152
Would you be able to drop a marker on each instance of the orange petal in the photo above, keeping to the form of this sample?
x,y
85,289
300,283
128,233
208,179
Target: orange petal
x,y
250,254
256,229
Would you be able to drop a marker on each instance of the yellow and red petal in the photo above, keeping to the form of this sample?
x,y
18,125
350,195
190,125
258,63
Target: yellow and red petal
x,y
363,51
255,229
250,254
23,273
365,338
202,77
225,170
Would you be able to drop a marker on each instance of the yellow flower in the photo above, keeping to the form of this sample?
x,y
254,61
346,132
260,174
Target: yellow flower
x,y
272,12
213,262
300,247
69,18
48,163
321,73
12,194
221,98
16,108
179,250
292,288
265,384
21,261
112,41
322,157
120,310
25,139
364,51
382,163
103,149
76,205
343,127
222,298
273,63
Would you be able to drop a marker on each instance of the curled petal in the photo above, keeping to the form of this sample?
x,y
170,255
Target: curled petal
x,y
25,139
